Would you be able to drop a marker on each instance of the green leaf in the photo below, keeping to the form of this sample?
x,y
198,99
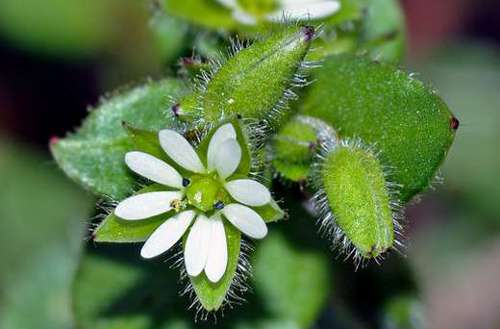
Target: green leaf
x,y
212,295
383,31
386,107
205,13
58,27
170,36
255,80
293,281
95,303
354,184
404,312
93,156
115,229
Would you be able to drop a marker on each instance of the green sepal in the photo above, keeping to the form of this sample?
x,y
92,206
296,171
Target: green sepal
x,y
115,229
94,155
145,141
385,106
212,295
355,186
271,212
293,149
254,81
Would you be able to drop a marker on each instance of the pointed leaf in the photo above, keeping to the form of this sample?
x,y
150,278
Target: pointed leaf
x,y
386,107
94,156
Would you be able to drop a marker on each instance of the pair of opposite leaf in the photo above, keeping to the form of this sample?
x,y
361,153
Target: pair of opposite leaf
x,y
355,199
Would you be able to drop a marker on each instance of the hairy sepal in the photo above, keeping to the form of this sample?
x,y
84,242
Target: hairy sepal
x,y
357,207
256,82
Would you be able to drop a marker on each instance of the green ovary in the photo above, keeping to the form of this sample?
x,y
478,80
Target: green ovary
x,y
204,192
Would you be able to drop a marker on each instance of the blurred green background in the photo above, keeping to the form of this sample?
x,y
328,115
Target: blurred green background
x,y
58,56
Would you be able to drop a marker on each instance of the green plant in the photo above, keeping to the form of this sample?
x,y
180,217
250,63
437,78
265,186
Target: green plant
x,y
189,163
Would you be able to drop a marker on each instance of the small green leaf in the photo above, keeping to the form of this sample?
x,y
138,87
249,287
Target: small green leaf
x,y
254,81
212,295
354,184
94,155
293,282
386,107
114,229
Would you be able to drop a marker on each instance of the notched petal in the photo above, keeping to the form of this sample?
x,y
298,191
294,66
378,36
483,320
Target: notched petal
x,y
167,234
180,150
146,205
246,220
153,169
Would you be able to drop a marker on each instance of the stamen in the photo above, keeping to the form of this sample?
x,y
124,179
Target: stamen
x,y
185,182
219,205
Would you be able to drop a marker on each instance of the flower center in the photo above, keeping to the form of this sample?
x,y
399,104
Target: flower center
x,y
259,7
206,193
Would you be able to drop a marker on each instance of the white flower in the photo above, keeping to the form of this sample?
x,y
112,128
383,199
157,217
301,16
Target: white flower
x,y
294,9
206,246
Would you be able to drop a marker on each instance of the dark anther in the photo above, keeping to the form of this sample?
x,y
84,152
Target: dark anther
x,y
176,109
239,116
454,123
219,205
308,32
185,182
187,61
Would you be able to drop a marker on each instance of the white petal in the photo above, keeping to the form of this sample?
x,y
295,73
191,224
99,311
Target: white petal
x,y
301,10
146,205
167,234
249,192
222,134
197,245
153,169
227,158
243,17
179,150
217,254
228,3
246,220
